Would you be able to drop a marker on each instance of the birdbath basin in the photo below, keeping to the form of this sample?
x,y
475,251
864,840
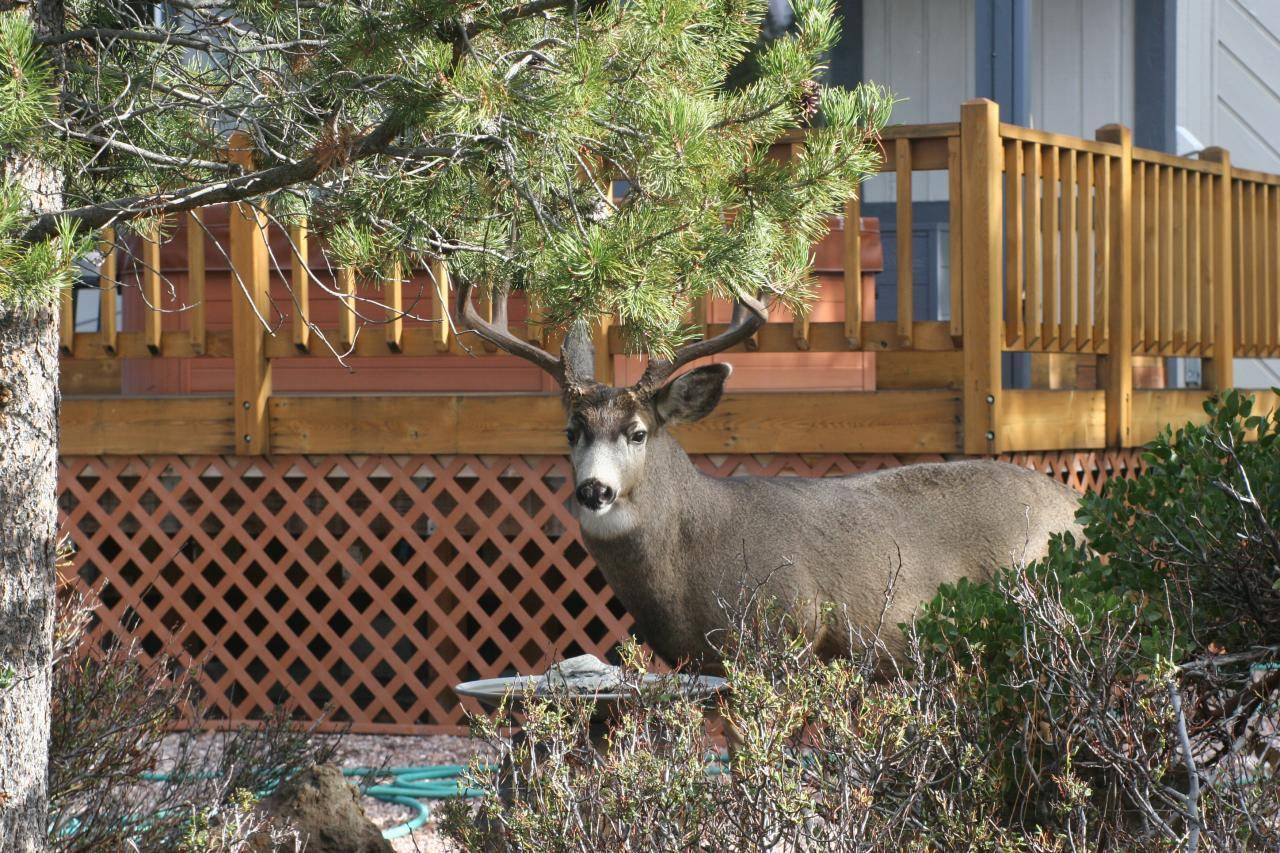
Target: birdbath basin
x,y
589,678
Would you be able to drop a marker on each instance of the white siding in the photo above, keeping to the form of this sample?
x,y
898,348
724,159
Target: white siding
x,y
1081,58
1229,77
1229,95
922,50
1081,65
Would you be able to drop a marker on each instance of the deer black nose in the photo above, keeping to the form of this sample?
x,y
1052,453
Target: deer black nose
x,y
594,494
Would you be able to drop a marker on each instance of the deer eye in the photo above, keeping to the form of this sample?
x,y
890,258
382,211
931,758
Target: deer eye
x,y
639,436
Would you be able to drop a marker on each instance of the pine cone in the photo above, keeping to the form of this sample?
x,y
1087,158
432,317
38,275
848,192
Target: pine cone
x,y
810,98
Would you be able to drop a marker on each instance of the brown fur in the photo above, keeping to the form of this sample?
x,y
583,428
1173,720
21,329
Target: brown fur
x,y
700,538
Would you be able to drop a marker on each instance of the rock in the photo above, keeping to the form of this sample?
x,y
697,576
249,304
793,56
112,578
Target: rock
x,y
326,811
584,674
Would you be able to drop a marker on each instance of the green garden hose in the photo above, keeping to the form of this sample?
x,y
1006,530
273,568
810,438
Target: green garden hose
x,y
409,786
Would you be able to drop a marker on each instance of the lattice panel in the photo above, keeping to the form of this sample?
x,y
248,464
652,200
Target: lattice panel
x,y
369,585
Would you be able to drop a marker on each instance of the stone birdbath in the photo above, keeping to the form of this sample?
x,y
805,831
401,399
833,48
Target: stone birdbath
x,y
587,677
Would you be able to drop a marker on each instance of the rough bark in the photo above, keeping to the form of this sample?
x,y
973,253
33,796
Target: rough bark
x,y
28,551
29,401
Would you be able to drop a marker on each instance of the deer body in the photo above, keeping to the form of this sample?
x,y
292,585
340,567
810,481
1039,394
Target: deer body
x,y
838,541
675,544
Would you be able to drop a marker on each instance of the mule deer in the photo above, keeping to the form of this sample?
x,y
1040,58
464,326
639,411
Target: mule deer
x,y
673,541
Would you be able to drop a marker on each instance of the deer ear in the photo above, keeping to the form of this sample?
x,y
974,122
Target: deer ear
x,y
692,396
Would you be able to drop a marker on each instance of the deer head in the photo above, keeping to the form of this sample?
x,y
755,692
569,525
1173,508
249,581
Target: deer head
x,y
611,431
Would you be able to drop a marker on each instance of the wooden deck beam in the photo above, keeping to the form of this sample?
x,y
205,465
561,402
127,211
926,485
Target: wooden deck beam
x,y
800,422
897,421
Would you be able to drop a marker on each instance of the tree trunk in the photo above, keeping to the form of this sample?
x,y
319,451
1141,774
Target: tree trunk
x,y
28,552
28,520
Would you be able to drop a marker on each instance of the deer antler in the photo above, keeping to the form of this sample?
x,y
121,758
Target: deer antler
x,y
572,370
749,314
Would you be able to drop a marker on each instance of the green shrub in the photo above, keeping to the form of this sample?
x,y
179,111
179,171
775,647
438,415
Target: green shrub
x,y
1175,586
826,759
1194,537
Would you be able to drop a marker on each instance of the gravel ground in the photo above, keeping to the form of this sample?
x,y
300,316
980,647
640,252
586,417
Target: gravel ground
x,y
397,751
390,751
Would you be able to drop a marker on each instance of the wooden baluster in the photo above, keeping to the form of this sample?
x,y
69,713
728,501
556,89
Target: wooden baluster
x,y
394,300
1031,231
1208,223
1164,284
906,300
800,323
1271,284
1243,224
1260,268
603,354
1066,321
1049,246
1115,369
250,261
300,282
1151,260
1244,313
1195,335
800,329
195,280
1266,270
955,220
1255,259
1084,248
1261,263
702,316
67,319
107,298
1102,281
1240,279
1178,271
1139,256
983,221
151,317
441,305
852,273
484,305
1220,373
532,319
1013,243
347,308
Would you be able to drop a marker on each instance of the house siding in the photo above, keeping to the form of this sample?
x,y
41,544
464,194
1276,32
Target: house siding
x,y
923,51
1229,77
1228,94
1081,65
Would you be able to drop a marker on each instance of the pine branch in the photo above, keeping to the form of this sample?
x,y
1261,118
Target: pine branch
x,y
233,189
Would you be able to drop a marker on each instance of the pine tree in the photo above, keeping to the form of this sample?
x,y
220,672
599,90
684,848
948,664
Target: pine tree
x,y
489,133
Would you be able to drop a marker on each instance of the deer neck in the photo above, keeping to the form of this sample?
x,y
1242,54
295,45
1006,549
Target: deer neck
x,y
647,567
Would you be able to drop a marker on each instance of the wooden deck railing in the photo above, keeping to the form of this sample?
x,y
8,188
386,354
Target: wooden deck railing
x,y
1058,245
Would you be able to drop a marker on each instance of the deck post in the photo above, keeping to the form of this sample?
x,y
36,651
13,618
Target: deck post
x,y
980,273
249,302
1220,374
1115,369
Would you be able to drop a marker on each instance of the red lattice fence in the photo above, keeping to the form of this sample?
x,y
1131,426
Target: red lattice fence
x,y
369,585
